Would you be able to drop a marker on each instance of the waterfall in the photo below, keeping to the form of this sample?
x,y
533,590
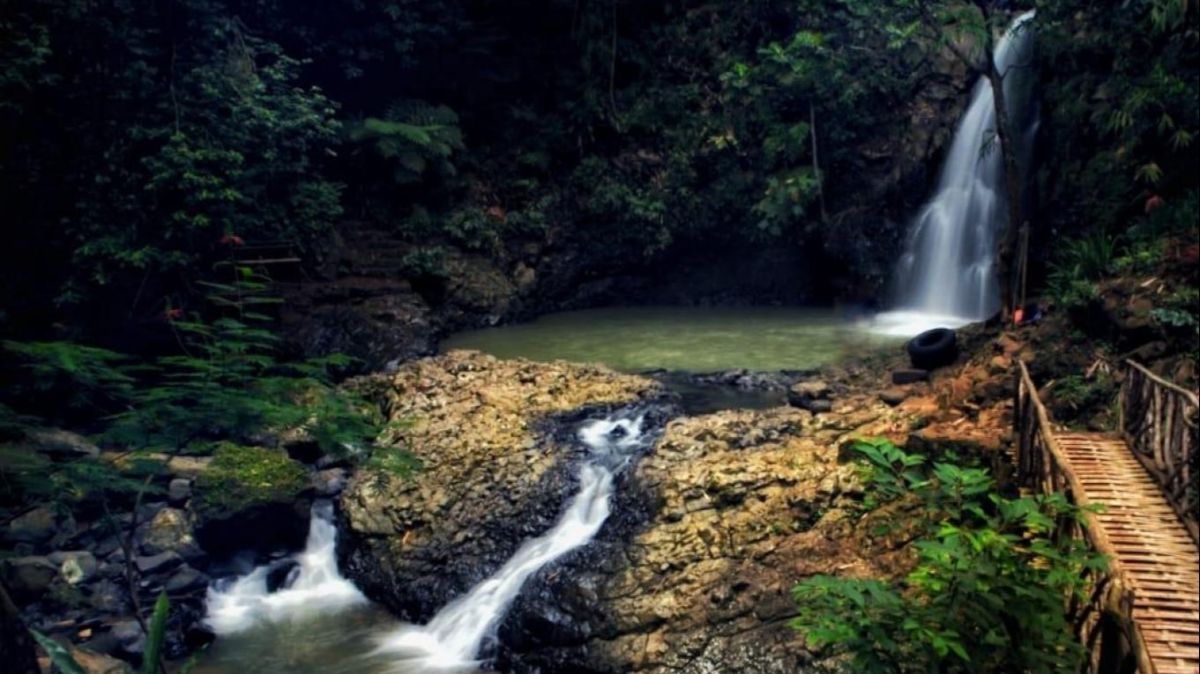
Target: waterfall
x,y
946,276
314,585
452,640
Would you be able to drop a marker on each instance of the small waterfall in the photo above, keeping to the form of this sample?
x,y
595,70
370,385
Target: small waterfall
x,y
452,640
946,276
315,586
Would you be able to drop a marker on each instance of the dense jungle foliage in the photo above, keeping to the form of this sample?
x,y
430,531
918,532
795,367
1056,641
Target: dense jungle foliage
x,y
147,148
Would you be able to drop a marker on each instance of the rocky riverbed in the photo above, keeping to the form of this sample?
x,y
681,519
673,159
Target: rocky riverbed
x,y
710,530
692,571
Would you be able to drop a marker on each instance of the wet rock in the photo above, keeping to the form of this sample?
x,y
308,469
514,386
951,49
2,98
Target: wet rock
x,y
893,396
169,530
152,564
281,574
726,514
909,376
28,578
250,498
129,635
37,526
108,596
330,482
185,580
75,567
494,471
812,395
179,490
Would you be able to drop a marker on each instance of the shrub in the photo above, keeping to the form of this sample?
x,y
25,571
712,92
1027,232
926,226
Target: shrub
x,y
988,589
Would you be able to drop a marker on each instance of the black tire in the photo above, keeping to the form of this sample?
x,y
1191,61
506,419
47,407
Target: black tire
x,y
933,349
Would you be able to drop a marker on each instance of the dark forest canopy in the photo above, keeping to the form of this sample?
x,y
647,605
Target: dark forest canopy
x,y
136,137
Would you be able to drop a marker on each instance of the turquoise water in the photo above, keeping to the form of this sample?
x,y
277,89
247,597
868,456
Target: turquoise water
x,y
689,339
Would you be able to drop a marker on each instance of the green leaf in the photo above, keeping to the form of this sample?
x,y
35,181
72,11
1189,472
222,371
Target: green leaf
x,y
59,655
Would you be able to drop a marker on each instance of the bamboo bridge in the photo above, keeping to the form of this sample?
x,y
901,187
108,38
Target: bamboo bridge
x,y
1142,613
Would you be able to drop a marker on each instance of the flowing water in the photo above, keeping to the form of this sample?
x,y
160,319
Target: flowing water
x,y
689,339
451,642
321,624
946,277
315,624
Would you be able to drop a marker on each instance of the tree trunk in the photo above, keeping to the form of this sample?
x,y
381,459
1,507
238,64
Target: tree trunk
x,y
16,645
1006,245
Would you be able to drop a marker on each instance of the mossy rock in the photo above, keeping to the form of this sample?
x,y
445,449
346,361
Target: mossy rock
x,y
251,498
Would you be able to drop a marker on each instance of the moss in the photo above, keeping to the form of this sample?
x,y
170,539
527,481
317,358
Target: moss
x,y
241,477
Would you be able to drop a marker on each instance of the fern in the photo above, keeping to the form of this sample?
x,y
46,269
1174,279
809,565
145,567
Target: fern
x,y
415,136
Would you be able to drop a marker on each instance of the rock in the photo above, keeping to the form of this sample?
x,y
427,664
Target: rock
x,y
185,580
62,444
108,596
97,663
818,406
909,376
169,530
250,498
812,395
495,472
329,482
75,567
152,564
28,578
893,396
129,636
281,574
689,573
179,490
37,526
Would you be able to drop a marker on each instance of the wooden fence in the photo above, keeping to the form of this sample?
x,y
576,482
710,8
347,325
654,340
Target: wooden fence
x,y
1159,422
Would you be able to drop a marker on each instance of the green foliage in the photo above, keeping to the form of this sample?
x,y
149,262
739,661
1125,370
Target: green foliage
x,y
415,137
73,376
27,476
988,590
228,384
1121,86
158,631
66,663
242,477
58,654
1079,264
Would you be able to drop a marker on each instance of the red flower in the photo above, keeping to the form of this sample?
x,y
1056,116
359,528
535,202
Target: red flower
x,y
232,240
174,314
1154,203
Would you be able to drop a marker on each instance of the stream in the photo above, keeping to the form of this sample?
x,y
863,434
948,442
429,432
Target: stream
x,y
319,623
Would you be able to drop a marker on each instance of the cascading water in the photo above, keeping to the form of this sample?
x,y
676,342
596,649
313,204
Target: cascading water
x,y
315,586
452,640
946,277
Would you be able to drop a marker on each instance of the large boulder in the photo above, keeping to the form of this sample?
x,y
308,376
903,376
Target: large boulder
x,y
248,498
493,472
692,570
740,505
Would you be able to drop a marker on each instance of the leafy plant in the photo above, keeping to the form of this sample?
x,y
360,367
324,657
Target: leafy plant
x,y
988,589
415,136
151,657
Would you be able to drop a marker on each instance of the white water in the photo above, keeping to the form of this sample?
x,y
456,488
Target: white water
x,y
317,587
452,640
946,276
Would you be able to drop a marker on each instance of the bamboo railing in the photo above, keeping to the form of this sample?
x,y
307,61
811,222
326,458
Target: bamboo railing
x,y
1103,617
1159,421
